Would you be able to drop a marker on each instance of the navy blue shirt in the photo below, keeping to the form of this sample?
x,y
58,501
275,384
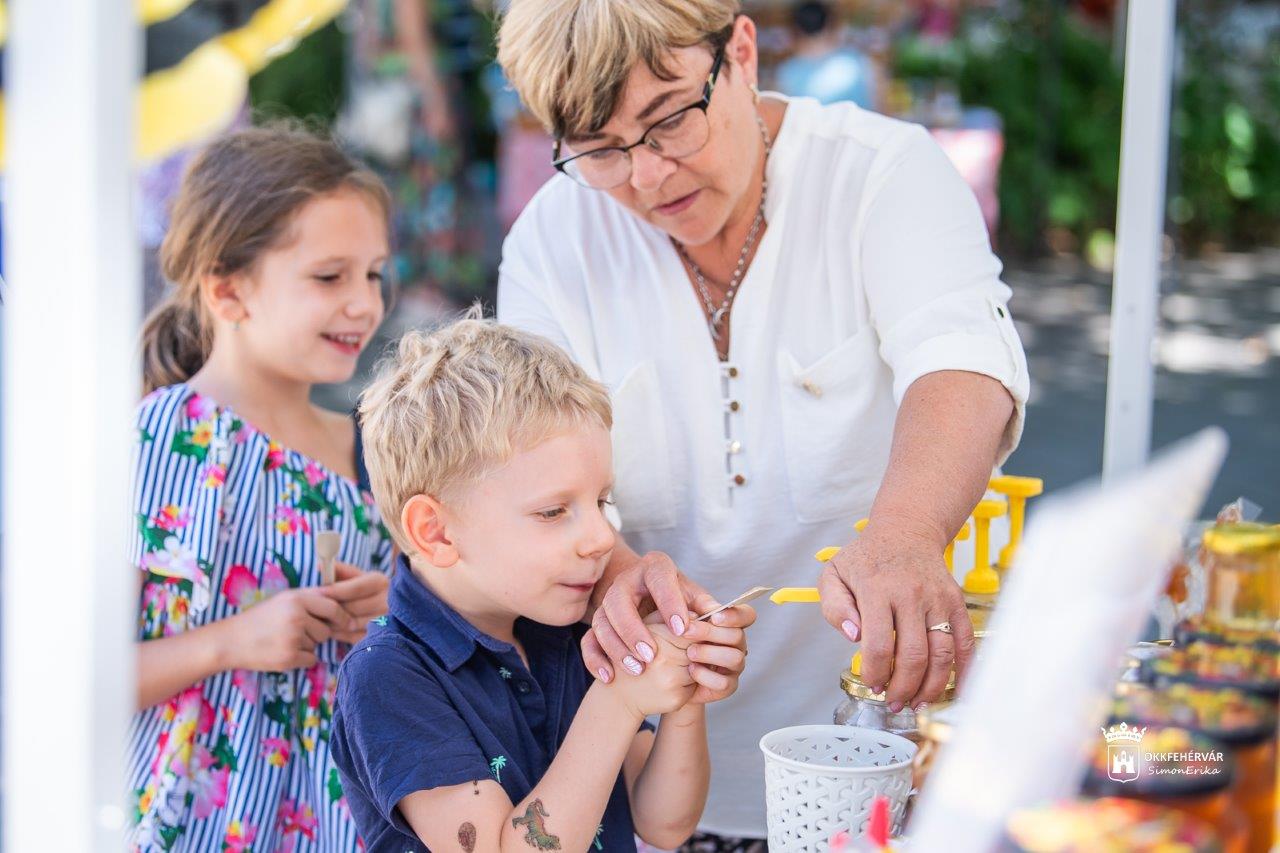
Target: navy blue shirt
x,y
427,700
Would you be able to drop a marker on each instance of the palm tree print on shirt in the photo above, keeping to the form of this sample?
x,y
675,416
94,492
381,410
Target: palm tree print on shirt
x,y
495,767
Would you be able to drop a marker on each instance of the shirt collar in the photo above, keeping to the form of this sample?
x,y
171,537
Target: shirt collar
x,y
433,622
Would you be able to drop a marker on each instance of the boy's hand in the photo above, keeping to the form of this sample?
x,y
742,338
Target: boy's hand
x,y
717,652
666,683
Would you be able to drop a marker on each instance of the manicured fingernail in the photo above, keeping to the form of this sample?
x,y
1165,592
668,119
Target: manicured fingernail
x,y
604,674
895,707
645,652
850,630
633,666
677,626
719,619
879,689
921,706
690,652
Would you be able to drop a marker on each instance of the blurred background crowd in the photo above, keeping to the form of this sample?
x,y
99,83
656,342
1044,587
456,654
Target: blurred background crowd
x,y
1023,95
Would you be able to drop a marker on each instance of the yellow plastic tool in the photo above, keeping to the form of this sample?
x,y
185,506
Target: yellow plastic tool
x,y
861,524
982,578
1017,490
796,595
825,555
949,555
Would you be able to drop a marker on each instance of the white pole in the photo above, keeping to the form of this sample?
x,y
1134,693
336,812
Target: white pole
x,y
1139,230
70,387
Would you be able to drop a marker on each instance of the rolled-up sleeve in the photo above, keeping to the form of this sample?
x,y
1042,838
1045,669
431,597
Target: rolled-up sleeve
x,y
932,283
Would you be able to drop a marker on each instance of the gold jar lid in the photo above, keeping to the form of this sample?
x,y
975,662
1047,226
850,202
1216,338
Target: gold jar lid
x,y
1242,538
852,684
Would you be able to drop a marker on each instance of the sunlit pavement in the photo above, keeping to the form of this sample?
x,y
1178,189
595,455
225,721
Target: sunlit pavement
x,y
1218,362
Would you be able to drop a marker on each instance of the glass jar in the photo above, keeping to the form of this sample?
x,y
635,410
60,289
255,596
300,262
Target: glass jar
x,y
1179,770
1243,580
1108,823
867,709
1245,723
935,725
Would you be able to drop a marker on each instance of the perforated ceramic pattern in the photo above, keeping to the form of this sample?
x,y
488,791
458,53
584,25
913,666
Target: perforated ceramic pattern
x,y
820,780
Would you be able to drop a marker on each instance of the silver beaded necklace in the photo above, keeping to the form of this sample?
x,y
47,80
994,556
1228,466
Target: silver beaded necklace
x,y
716,314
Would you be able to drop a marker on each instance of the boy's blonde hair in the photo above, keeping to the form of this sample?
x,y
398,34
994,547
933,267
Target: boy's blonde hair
x,y
448,406
569,59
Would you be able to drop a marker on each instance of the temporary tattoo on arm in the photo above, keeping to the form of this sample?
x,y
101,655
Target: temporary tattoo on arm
x,y
535,827
467,837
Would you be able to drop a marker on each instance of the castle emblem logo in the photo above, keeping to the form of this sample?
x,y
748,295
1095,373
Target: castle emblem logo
x,y
1124,753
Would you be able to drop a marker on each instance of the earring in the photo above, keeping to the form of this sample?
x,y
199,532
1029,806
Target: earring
x,y
755,94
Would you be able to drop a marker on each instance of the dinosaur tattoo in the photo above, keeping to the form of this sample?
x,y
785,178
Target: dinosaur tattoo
x,y
535,827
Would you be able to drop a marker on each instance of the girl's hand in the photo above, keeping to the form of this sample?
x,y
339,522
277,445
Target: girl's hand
x,y
718,653
282,632
363,595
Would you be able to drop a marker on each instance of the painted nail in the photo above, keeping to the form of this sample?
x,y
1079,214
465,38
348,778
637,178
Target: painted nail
x,y
921,706
895,707
677,626
719,618
633,666
645,652
604,674
850,630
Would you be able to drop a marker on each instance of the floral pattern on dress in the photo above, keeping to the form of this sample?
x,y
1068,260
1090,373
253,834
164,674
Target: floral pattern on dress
x,y
225,519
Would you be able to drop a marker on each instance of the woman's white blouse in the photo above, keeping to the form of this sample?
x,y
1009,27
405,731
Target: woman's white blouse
x,y
875,269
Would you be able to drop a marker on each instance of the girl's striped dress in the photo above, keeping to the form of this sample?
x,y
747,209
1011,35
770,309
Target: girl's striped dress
x,y
225,517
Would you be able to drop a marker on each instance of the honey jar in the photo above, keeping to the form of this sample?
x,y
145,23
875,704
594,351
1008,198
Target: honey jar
x,y
866,708
1243,577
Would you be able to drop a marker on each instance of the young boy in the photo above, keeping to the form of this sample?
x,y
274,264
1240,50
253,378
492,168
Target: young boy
x,y
467,720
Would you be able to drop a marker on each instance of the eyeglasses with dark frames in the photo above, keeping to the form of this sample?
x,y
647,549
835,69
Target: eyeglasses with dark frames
x,y
682,133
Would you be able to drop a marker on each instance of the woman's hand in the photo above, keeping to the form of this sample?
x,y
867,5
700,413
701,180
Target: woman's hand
x,y
886,588
363,595
718,653
282,632
618,639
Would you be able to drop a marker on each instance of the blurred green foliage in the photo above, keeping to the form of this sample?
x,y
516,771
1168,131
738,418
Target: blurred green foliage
x,y
307,82
1058,89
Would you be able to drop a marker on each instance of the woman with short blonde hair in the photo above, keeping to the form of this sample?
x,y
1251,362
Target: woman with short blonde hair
x,y
800,320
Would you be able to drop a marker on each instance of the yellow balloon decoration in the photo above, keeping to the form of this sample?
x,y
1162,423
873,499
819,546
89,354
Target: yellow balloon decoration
x,y
201,95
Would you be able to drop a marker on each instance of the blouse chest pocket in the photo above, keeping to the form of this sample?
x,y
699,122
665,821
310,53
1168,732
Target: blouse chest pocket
x,y
836,429
643,488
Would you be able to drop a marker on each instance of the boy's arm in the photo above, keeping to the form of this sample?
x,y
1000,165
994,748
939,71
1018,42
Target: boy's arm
x,y
668,777
560,813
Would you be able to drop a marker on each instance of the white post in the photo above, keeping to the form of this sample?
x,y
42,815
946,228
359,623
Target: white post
x,y
70,384
1139,230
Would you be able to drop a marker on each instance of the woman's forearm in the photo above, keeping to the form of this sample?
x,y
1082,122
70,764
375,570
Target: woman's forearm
x,y
170,665
945,441
671,791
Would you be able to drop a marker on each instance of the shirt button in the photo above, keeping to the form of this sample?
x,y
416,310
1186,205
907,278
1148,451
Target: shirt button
x,y
739,480
733,373
812,387
523,687
734,405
